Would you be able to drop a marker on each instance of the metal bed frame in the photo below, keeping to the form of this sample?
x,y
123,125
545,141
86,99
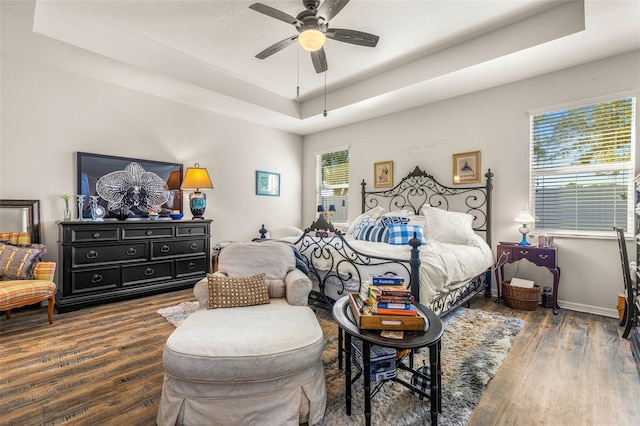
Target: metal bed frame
x,y
321,244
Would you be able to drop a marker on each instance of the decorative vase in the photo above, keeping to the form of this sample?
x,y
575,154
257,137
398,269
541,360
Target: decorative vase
x,y
67,213
80,198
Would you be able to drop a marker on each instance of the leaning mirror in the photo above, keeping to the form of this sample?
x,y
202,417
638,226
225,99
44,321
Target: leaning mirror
x,y
21,216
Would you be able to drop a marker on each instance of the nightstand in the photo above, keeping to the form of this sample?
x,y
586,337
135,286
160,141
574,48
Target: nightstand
x,y
541,256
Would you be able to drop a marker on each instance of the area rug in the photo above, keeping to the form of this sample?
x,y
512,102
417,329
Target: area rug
x,y
474,345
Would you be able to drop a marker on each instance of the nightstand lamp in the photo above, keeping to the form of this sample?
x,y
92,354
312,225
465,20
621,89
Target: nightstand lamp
x,y
524,218
332,211
197,178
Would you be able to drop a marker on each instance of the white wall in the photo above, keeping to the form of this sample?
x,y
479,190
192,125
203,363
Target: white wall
x,y
48,115
496,122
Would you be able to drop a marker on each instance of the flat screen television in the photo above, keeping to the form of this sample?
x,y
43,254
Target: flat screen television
x,y
92,167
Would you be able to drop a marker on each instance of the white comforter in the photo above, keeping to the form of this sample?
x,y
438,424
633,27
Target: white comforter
x,y
443,267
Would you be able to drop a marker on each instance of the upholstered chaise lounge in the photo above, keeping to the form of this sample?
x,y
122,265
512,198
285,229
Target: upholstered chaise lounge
x,y
24,279
248,365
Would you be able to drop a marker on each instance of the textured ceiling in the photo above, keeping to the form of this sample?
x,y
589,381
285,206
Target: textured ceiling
x,y
203,52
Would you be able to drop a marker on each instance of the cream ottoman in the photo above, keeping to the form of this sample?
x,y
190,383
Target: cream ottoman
x,y
256,365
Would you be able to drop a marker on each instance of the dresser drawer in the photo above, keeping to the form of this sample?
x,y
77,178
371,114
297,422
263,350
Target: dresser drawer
x,y
93,255
185,231
85,281
102,234
155,232
194,266
161,249
148,272
541,257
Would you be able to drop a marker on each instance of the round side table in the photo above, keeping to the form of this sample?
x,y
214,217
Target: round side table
x,y
429,337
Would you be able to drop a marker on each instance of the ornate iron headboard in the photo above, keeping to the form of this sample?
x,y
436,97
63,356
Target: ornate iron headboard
x,y
419,188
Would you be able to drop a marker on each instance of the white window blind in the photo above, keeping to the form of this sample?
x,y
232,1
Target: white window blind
x,y
582,167
332,183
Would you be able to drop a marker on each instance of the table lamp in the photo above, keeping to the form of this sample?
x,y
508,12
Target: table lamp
x,y
197,178
524,218
320,210
332,211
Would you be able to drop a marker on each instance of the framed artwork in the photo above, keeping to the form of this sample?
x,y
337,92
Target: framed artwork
x,y
466,167
267,183
383,174
135,185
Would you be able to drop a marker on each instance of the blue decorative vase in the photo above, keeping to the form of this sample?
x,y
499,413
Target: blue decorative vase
x,y
197,204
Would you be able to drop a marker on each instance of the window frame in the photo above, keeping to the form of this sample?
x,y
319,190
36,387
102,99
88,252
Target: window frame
x,y
629,166
319,188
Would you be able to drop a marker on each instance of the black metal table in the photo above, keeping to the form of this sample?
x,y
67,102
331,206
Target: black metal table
x,y
429,337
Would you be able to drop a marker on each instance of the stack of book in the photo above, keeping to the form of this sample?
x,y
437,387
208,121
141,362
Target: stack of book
x,y
391,300
384,303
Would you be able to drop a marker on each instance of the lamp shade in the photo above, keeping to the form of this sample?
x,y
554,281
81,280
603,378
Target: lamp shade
x,y
320,208
311,40
196,178
524,217
173,183
332,208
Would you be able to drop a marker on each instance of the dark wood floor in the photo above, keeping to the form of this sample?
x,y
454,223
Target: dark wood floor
x,y
102,365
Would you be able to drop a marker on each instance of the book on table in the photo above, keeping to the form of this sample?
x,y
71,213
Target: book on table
x,y
386,279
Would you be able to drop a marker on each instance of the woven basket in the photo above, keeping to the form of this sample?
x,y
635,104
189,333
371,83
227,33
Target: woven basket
x,y
525,299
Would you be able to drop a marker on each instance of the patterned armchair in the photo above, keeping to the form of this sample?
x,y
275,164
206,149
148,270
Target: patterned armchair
x,y
24,278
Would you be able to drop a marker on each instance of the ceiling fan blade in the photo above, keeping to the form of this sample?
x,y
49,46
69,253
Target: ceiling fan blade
x,y
274,13
275,48
352,36
319,59
330,8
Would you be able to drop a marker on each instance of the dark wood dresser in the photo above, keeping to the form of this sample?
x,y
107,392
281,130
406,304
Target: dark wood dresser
x,y
114,260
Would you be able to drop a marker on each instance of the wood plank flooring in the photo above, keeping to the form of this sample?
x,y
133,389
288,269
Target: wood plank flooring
x,y
103,365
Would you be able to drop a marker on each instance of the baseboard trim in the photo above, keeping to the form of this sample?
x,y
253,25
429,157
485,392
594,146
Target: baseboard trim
x,y
579,307
589,309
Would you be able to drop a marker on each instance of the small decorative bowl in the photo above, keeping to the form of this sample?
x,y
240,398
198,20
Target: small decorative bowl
x,y
154,216
176,216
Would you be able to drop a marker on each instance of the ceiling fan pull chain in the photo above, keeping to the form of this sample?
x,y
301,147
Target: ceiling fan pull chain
x,y
298,76
325,93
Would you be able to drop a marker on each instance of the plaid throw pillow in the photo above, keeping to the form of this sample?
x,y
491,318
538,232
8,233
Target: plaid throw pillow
x,y
390,220
228,292
377,234
401,234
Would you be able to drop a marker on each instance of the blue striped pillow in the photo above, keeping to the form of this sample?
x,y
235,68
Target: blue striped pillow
x,y
401,233
377,234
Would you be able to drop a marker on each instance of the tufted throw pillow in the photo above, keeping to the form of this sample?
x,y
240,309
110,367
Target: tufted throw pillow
x,y
229,292
389,220
377,234
401,234
17,262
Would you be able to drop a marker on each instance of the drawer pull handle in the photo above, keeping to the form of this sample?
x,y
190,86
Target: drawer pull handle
x,y
148,271
149,232
194,246
131,251
543,256
165,249
92,254
96,278
191,266
524,252
190,231
96,235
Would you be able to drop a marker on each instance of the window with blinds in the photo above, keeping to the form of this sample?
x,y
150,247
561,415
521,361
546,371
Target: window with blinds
x,y
332,184
582,167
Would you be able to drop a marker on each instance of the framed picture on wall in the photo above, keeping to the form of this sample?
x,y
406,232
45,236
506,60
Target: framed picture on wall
x,y
383,174
466,167
267,183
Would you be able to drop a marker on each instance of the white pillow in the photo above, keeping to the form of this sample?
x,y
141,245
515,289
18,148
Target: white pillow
x,y
366,218
448,227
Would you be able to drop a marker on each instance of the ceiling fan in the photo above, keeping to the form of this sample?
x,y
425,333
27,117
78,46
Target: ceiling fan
x,y
313,28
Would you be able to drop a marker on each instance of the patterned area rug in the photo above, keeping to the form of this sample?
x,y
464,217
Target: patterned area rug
x,y
474,345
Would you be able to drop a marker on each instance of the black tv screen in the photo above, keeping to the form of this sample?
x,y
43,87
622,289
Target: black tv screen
x,y
133,183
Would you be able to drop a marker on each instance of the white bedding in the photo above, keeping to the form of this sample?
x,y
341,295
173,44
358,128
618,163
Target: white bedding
x,y
444,266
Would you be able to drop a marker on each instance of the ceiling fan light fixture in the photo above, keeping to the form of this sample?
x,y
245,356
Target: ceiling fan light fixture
x,y
311,40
